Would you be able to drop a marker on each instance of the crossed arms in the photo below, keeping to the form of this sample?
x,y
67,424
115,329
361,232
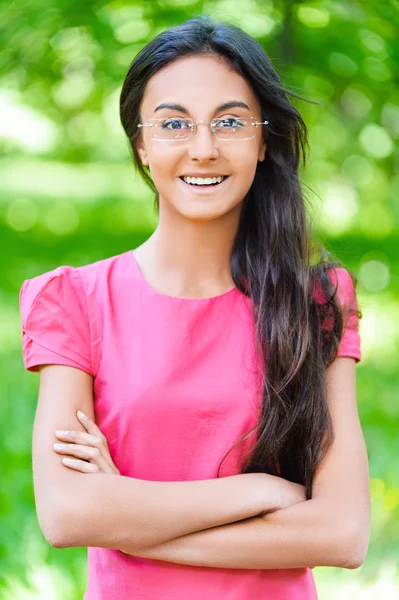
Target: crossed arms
x,y
213,523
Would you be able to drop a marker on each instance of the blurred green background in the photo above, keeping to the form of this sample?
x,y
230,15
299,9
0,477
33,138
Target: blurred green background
x,y
69,195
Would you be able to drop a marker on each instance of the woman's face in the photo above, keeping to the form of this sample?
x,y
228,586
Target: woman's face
x,y
200,84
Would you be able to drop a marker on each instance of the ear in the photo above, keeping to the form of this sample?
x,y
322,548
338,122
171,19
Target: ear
x,y
142,152
262,151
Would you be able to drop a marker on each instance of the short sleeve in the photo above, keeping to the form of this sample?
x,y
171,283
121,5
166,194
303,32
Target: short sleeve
x,y
350,341
55,322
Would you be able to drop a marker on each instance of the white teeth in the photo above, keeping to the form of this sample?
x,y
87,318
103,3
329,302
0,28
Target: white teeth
x,y
203,181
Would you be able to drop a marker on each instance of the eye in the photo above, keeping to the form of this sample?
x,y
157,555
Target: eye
x,y
176,124
229,122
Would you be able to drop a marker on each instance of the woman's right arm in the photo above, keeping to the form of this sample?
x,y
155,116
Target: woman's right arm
x,y
112,511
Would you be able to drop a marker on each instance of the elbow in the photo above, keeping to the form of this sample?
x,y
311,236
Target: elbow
x,y
59,527
355,545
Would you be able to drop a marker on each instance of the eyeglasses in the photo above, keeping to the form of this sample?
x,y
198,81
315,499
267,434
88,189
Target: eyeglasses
x,y
181,129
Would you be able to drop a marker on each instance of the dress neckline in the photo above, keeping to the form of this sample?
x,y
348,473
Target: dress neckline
x,y
132,259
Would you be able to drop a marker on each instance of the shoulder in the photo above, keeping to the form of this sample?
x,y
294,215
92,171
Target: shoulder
x,y
51,284
60,316
99,277
342,292
344,286
66,283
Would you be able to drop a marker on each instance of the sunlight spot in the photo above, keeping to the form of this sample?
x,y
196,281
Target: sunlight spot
x,y
376,141
258,20
86,128
73,90
326,138
313,17
355,102
374,275
318,85
62,219
377,487
132,31
390,117
339,207
181,2
359,169
379,328
391,498
22,214
376,69
28,128
74,43
257,25
116,13
373,42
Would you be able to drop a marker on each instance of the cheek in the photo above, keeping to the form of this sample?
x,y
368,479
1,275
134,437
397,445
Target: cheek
x,y
164,161
246,164
244,155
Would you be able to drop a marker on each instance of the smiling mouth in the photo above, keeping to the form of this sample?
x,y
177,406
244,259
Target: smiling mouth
x,y
205,185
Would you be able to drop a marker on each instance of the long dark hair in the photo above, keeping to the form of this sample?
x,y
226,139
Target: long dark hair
x,y
273,257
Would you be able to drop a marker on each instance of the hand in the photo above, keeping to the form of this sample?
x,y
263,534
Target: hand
x,y
89,448
295,493
278,493
289,493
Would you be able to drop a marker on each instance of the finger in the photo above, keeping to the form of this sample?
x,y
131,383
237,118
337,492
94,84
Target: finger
x,y
80,465
88,453
83,452
79,437
82,438
90,426
85,439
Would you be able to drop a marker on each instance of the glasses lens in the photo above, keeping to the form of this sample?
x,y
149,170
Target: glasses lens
x,y
171,129
234,128
176,129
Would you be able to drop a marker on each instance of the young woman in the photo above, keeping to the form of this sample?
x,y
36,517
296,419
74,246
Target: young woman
x,y
219,453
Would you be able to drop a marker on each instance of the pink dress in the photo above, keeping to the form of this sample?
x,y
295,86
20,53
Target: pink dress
x,y
175,385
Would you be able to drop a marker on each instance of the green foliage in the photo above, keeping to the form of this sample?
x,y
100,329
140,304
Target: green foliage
x,y
70,196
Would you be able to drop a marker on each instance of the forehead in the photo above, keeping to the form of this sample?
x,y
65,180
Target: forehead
x,y
197,82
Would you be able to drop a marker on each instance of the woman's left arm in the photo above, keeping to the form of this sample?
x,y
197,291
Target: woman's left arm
x,y
331,529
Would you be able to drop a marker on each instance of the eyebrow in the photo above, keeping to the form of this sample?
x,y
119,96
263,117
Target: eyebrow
x,y
224,106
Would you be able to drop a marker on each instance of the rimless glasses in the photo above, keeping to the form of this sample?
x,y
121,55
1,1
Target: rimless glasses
x,y
181,129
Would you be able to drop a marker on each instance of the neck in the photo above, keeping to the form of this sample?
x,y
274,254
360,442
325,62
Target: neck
x,y
190,258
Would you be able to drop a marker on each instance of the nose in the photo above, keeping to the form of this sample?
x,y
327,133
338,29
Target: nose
x,y
203,144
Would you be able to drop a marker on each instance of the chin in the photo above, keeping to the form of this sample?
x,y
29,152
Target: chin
x,y
201,209
201,216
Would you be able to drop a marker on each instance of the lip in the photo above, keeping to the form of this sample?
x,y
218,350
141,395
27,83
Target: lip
x,y
204,175
203,190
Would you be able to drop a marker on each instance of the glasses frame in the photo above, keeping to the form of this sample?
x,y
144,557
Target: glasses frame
x,y
193,128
